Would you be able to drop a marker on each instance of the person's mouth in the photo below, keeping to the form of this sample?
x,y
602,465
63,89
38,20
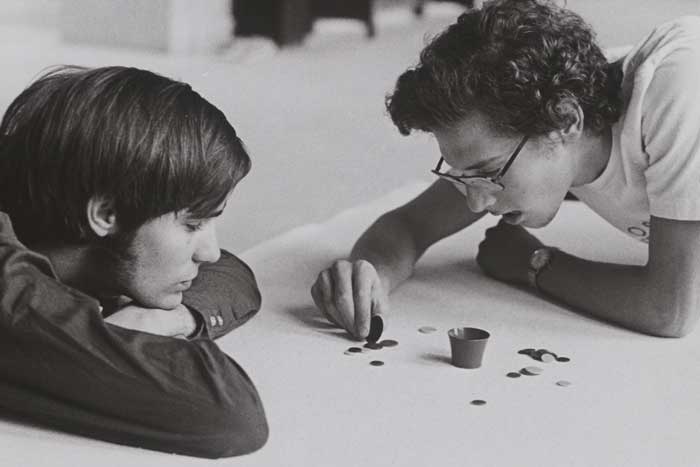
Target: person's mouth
x,y
183,285
513,217
187,283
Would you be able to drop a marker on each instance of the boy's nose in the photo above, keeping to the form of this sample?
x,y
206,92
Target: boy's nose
x,y
207,250
479,200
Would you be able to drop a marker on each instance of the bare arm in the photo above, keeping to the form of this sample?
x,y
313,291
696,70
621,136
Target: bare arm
x,y
395,242
352,290
661,298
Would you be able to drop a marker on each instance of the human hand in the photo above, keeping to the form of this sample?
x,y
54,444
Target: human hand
x,y
349,294
505,252
177,322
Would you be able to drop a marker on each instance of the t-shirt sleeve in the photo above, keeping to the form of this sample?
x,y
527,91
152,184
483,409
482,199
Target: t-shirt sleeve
x,y
671,123
61,365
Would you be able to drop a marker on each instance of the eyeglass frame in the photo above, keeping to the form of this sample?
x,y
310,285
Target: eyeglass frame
x,y
495,180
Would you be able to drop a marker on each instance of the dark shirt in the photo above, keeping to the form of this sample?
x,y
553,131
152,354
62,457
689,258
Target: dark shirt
x,y
63,366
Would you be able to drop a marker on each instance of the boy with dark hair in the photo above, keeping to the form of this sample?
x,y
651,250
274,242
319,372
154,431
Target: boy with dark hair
x,y
524,108
114,287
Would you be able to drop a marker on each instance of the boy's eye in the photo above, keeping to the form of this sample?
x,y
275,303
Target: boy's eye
x,y
194,226
490,173
479,173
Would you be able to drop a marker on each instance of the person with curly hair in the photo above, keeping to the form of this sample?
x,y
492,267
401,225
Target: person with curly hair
x,y
525,108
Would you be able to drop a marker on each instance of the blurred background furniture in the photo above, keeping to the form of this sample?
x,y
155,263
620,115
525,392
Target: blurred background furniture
x,y
355,9
419,6
287,22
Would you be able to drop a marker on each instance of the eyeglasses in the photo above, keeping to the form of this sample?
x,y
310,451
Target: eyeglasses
x,y
491,184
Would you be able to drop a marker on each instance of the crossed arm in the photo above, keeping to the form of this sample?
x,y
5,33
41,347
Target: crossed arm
x,y
223,296
62,365
661,298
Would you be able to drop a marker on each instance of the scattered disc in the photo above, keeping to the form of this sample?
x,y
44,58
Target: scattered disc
x,y
354,350
427,329
563,359
389,343
478,402
372,345
531,370
376,363
347,352
547,358
376,327
563,383
513,374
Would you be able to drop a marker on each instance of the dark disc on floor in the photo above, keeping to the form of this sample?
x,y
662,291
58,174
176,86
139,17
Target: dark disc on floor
x,y
531,371
389,343
355,350
513,374
563,359
526,351
376,327
478,402
372,345
376,363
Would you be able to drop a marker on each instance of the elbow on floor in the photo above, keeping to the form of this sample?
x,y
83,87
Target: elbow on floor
x,y
238,434
675,333
213,430
253,440
675,324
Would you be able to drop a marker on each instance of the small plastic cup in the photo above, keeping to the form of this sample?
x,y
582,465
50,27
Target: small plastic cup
x,y
468,346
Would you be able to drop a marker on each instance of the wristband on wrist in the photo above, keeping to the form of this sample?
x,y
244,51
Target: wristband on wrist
x,y
540,259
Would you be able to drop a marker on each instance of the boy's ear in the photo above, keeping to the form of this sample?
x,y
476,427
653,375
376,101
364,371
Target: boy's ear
x,y
101,216
571,112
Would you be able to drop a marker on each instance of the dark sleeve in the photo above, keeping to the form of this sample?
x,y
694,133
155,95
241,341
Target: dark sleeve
x,y
61,365
223,296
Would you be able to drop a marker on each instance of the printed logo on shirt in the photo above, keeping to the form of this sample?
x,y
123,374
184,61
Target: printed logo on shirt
x,y
641,233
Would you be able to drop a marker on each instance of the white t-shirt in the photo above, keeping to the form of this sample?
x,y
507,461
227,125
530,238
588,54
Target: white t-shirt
x,y
654,166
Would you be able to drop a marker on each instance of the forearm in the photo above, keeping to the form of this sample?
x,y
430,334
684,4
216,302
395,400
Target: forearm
x,y
630,296
391,249
64,366
177,322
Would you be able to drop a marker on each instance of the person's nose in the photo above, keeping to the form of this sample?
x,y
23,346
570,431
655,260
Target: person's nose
x,y
479,200
207,250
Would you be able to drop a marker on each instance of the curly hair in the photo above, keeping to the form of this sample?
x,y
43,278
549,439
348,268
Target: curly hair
x,y
516,62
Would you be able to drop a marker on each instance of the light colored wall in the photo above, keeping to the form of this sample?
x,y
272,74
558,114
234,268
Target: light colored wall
x,y
130,23
199,27
176,26
35,13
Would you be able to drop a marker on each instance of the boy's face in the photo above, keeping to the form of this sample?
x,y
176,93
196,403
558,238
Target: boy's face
x,y
164,257
535,184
